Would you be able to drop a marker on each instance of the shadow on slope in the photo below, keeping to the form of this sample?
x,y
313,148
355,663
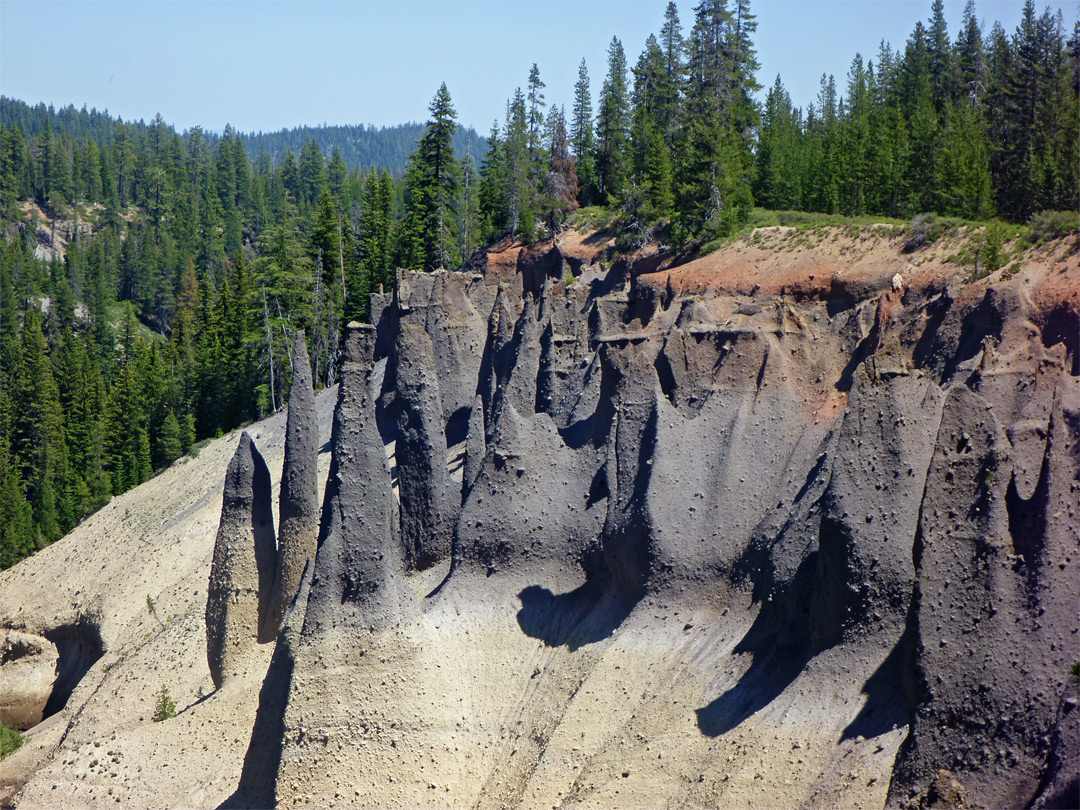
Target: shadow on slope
x,y
886,704
258,780
775,666
583,616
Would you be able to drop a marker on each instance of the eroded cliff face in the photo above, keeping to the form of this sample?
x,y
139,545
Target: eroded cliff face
x,y
792,524
718,534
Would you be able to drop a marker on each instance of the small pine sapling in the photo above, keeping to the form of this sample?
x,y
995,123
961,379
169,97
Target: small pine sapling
x,y
165,707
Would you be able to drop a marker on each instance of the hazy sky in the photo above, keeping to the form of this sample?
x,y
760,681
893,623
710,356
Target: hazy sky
x,y
263,65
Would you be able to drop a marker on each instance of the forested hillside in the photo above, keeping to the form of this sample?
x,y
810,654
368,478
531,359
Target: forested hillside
x,y
150,288
361,146
151,282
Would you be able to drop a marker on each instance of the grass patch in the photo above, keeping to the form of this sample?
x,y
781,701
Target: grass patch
x,y
592,218
115,315
10,740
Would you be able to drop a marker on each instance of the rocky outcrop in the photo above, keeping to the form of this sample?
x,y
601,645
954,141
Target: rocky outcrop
x,y
358,569
429,503
28,667
244,560
298,509
811,535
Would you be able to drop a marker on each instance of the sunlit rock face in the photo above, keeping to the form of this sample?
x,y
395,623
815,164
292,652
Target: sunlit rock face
x,y
244,560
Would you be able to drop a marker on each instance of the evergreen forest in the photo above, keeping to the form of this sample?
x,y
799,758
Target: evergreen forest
x,y
151,282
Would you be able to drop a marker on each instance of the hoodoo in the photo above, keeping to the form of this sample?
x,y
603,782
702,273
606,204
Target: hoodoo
x,y
428,501
298,504
244,561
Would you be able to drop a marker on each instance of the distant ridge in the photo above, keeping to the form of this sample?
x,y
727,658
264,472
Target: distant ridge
x,y
361,145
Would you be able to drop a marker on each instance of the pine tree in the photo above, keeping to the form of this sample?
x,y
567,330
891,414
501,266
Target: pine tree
x,y
613,126
443,174
170,445
470,203
312,178
373,245
428,236
336,174
855,149
328,258
581,138
942,77
670,84
494,215
536,111
561,188
518,191
971,61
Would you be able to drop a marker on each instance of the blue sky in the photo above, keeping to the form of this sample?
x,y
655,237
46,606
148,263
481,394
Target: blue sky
x,y
263,65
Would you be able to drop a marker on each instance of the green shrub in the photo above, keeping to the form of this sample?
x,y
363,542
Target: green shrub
x,y
10,740
1046,225
925,229
993,247
153,609
165,706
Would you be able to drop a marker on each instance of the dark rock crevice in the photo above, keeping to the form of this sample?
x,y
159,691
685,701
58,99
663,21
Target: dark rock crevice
x,y
79,646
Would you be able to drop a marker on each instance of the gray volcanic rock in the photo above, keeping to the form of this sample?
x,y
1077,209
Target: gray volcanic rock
x,y
533,507
475,446
629,552
992,618
518,386
824,534
428,497
442,305
298,509
871,507
244,561
357,580
496,361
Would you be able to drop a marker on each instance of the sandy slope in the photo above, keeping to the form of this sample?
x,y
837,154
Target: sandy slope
x,y
102,749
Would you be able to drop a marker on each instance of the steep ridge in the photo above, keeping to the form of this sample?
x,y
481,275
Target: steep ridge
x,y
792,524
